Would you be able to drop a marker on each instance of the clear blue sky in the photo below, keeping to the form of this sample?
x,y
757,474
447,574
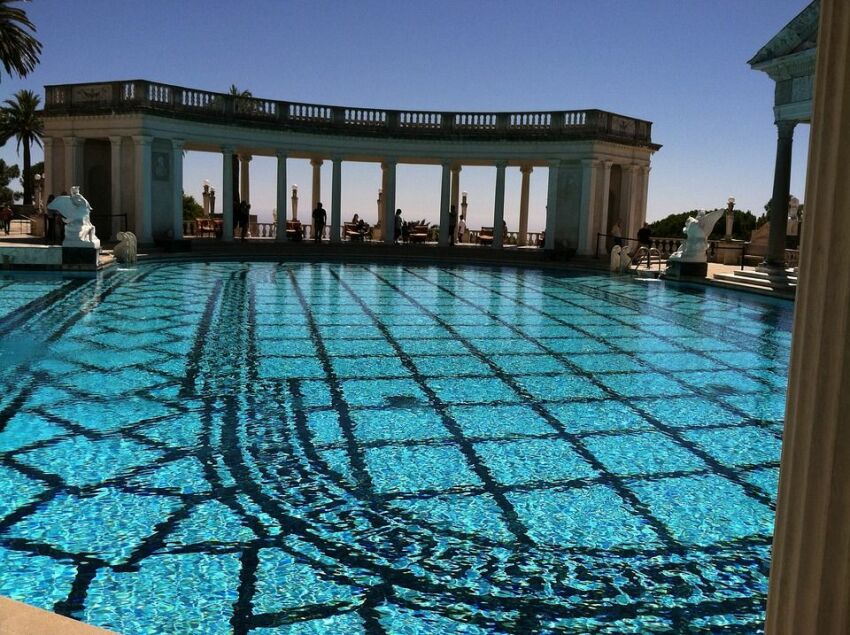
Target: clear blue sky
x,y
678,63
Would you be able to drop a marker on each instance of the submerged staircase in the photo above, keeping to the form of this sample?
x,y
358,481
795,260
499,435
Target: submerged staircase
x,y
782,283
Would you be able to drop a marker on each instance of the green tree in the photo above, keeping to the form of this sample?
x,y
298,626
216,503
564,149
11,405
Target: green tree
x,y
7,173
672,226
19,50
191,208
19,118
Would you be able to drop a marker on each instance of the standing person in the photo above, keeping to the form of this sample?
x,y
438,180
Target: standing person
x,y
320,219
6,218
399,223
461,230
452,224
244,217
644,237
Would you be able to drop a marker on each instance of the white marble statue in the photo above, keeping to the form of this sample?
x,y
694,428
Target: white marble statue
x,y
75,209
125,250
697,229
620,259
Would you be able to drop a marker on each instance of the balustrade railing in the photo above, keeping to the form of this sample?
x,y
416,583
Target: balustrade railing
x,y
109,97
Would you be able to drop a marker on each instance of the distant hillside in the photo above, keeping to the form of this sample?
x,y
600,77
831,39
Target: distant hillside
x,y
672,225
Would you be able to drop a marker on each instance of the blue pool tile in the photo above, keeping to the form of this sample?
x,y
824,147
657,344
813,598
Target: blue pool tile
x,y
450,365
400,621
477,390
747,446
746,360
493,421
643,385
300,347
324,427
381,392
528,364
398,424
411,469
37,580
433,347
348,623
80,461
24,429
109,524
315,394
560,387
573,345
530,460
597,416
606,363
290,367
103,415
210,522
643,453
505,346
685,412
352,367
182,431
183,476
646,344
592,517
762,406
460,513
186,593
356,347
766,479
679,361
703,510
16,490
722,382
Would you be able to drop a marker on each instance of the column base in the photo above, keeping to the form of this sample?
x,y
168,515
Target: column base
x,y
678,269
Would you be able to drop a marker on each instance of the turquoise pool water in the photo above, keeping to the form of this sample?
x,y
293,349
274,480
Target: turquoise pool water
x,y
328,448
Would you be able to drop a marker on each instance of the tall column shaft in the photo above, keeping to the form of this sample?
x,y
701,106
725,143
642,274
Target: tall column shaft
x,y
73,149
587,206
317,182
456,186
603,204
445,204
781,191
810,568
49,178
143,219
245,177
280,218
388,184
522,236
114,184
499,206
227,194
177,184
336,200
552,204
627,173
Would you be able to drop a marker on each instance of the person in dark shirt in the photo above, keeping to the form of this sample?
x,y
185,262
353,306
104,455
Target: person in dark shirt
x,y
644,237
320,219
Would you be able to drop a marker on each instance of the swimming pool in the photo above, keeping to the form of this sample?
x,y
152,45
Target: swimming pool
x,y
329,448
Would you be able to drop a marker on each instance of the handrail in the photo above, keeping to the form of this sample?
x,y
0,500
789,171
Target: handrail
x,y
144,95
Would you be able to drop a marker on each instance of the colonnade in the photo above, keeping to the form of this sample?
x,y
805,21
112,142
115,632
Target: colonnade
x,y
579,200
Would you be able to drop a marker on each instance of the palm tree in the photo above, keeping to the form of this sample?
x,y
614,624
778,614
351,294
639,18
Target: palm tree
x,y
19,50
19,118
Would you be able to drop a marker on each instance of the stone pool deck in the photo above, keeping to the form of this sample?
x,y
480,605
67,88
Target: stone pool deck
x,y
17,618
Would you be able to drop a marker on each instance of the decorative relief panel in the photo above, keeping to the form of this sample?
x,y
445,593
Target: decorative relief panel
x,y
92,93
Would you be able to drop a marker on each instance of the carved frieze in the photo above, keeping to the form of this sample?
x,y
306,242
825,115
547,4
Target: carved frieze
x,y
92,93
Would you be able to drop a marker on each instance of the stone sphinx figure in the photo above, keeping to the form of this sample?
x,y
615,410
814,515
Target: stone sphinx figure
x,y
697,229
620,259
125,250
75,209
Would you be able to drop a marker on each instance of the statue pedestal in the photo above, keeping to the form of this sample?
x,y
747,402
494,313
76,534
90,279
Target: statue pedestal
x,y
729,251
679,269
81,256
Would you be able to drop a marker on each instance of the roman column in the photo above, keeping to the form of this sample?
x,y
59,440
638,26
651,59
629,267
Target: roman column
x,y
522,236
606,193
775,258
49,179
388,221
445,203
456,168
499,206
227,194
336,199
114,183
280,218
73,147
587,206
143,221
552,204
810,566
245,177
177,188
317,182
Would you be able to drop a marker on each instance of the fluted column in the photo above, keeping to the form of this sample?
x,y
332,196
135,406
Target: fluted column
x,y
49,178
227,194
388,221
589,169
336,200
280,218
73,148
522,236
604,202
499,206
810,568
114,183
775,257
552,203
445,203
143,220
177,188
317,182
456,168
627,180
245,177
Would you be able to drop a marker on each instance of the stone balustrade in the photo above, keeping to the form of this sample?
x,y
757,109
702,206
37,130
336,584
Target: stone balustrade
x,y
142,95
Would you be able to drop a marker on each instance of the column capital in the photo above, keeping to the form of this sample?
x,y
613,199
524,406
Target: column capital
x,y
245,158
456,167
336,159
554,163
501,164
526,169
142,139
446,163
281,154
71,141
785,128
48,141
114,140
176,144
227,150
316,162
388,162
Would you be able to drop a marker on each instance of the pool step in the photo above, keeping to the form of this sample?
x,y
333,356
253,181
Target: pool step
x,y
782,284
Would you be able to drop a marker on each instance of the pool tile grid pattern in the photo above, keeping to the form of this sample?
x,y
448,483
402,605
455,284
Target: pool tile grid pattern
x,y
400,452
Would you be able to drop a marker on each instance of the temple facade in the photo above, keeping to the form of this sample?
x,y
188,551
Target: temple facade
x,y
123,143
